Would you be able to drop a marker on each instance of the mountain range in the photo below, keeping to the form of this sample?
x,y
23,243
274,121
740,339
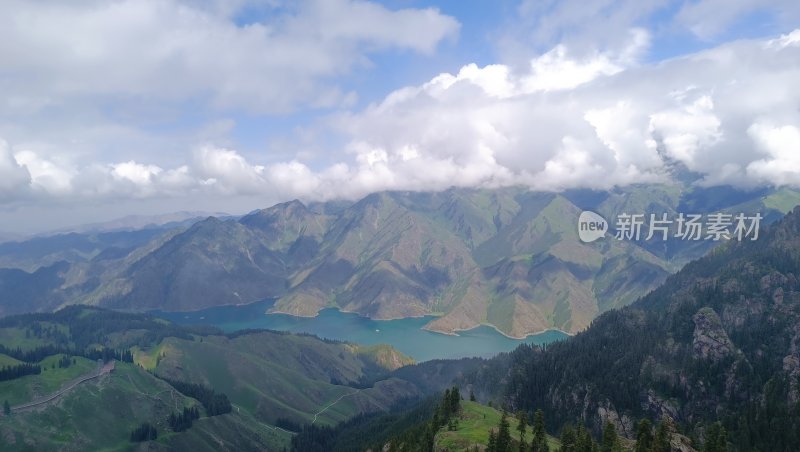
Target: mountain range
x,y
718,342
710,353
509,258
711,357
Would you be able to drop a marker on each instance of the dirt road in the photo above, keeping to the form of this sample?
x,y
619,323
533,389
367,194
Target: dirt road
x,y
101,370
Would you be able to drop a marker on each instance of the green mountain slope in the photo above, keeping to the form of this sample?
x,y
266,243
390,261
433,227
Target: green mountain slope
x,y
275,382
718,341
279,376
474,422
101,414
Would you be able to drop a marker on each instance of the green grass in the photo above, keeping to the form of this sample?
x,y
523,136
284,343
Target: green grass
x,y
239,428
260,386
100,414
474,424
6,360
27,388
15,337
501,312
783,200
275,375
384,355
148,358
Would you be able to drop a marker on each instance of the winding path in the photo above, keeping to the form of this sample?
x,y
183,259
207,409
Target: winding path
x,y
101,370
334,403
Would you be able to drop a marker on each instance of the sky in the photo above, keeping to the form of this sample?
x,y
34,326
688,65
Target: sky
x,y
118,107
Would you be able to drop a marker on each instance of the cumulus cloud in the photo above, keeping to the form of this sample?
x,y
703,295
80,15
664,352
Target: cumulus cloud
x,y
728,113
56,53
13,176
709,18
583,26
781,144
44,175
587,25
228,171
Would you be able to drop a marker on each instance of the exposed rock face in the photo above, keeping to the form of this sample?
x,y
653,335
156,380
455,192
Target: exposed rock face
x,y
680,443
791,365
660,407
710,339
622,423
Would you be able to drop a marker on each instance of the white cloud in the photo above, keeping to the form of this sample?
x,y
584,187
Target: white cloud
x,y
13,176
555,71
709,18
589,128
729,113
687,129
57,53
781,144
228,171
583,26
45,176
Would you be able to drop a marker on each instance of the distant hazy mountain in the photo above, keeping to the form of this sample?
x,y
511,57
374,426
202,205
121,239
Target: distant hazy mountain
x,y
508,258
135,222
9,236
98,240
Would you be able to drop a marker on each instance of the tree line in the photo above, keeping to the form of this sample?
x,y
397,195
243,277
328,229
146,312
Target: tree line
x,y
39,353
144,432
182,421
213,402
19,370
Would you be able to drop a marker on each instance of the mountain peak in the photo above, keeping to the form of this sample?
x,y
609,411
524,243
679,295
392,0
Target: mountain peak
x,y
266,218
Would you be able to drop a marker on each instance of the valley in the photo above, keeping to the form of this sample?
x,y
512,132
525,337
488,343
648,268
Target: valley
x,y
201,367
274,381
507,258
405,335
399,226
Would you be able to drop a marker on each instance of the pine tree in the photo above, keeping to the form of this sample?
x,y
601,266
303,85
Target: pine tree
x,y
503,443
644,436
716,439
611,441
661,442
568,439
522,424
455,400
471,396
430,436
144,432
492,444
539,439
584,441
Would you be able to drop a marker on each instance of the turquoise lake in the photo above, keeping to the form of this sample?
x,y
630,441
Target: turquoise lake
x,y
405,335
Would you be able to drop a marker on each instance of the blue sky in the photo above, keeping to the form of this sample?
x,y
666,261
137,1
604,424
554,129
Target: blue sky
x,y
115,107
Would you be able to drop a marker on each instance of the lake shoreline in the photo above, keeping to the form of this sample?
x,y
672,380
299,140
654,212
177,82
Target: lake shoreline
x,y
408,335
425,328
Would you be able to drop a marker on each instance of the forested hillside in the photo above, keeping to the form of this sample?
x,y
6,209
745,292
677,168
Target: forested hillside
x,y
177,387
717,342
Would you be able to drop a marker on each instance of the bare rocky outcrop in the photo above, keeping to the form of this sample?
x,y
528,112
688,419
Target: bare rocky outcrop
x,y
791,365
710,339
659,406
621,422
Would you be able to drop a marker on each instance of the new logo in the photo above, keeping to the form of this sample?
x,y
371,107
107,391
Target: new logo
x,y
591,226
